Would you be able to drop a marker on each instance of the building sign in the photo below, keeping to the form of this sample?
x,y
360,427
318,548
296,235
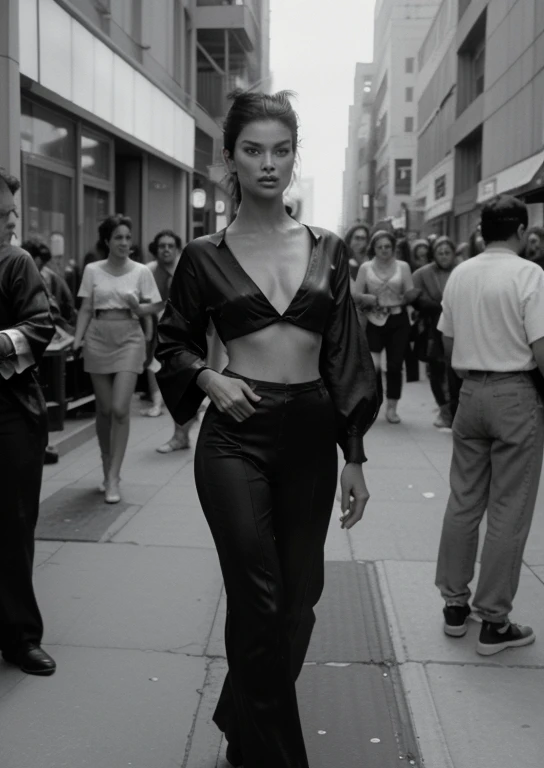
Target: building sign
x,y
440,187
403,177
488,189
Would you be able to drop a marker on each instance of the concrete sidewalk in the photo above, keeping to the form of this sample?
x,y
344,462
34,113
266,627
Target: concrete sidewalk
x,y
135,622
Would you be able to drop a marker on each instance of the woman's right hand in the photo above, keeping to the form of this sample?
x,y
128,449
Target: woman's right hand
x,y
232,396
77,344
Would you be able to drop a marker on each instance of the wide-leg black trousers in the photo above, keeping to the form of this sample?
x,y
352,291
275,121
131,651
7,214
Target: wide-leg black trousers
x,y
22,446
267,488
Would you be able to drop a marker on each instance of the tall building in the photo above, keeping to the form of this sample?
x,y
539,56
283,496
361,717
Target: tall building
x,y
435,95
399,29
115,105
357,178
499,130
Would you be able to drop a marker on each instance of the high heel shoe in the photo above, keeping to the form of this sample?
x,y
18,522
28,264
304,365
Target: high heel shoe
x,y
234,756
112,495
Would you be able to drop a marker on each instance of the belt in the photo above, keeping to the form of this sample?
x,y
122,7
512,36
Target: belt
x,y
113,314
481,375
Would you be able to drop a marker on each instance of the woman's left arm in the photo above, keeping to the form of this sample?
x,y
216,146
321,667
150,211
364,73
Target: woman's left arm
x,y
349,375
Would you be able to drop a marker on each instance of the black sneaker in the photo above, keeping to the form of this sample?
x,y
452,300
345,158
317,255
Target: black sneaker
x,y
496,637
455,620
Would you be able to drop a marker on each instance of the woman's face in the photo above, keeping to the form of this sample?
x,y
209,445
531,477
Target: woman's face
x,y
444,256
383,249
264,158
120,242
420,256
534,246
359,242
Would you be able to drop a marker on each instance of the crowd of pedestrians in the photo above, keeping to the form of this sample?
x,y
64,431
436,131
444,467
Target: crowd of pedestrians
x,y
303,354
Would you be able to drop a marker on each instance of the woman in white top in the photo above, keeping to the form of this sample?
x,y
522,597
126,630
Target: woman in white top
x,y
114,343
383,288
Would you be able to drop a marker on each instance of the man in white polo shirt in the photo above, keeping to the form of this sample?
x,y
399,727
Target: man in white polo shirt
x,y
493,327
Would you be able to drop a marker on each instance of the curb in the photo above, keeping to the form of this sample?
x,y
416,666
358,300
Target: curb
x,y
426,722
65,443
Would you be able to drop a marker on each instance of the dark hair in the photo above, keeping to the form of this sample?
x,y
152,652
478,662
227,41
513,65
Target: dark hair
x,y
353,229
443,240
501,218
378,236
37,249
108,227
404,247
252,106
136,254
12,182
153,247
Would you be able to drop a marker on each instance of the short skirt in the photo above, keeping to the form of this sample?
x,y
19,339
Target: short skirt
x,y
113,346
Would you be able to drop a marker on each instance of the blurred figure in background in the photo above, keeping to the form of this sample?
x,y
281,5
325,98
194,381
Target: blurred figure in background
x,y
534,248
431,280
26,328
166,248
420,253
55,284
384,287
462,253
357,239
476,244
402,251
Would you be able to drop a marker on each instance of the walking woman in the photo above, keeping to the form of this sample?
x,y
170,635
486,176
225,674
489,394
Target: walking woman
x,y
300,378
114,348
431,280
384,287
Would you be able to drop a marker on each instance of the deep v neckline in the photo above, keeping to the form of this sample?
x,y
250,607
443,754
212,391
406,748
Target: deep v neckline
x,y
261,292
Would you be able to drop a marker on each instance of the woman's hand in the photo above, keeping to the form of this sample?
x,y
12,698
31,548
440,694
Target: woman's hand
x,y
229,395
355,495
77,344
132,303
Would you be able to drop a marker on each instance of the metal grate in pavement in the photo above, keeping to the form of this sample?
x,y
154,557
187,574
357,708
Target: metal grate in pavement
x,y
76,514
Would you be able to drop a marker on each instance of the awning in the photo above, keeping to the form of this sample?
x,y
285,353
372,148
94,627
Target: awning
x,y
519,179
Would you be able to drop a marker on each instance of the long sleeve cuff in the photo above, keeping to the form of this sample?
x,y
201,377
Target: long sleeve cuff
x,y
23,358
354,451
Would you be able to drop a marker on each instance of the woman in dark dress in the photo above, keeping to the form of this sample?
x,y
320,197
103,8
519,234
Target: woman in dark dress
x,y
300,378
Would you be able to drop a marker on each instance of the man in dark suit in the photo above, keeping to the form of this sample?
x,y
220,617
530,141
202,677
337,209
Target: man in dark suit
x,y
26,328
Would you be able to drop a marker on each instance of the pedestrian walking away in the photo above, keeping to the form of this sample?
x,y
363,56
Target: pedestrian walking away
x,y
114,345
384,287
26,328
300,377
431,280
493,329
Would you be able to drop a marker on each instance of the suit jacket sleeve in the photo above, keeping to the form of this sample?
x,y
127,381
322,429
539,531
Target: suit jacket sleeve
x,y
29,311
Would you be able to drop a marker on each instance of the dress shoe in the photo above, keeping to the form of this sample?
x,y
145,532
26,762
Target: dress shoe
x,y
112,495
32,659
234,756
51,455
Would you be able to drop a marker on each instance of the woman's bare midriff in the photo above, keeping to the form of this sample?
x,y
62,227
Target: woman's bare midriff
x,y
281,352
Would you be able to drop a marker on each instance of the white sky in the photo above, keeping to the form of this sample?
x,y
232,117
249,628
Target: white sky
x,y
315,45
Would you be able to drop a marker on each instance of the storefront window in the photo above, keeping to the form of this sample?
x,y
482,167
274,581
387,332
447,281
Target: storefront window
x,y
95,157
49,213
46,134
95,210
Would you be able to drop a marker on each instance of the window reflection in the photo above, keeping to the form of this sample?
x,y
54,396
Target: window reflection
x,y
46,134
49,214
95,157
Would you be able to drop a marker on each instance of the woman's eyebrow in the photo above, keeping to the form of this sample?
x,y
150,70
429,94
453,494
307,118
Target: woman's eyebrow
x,y
259,146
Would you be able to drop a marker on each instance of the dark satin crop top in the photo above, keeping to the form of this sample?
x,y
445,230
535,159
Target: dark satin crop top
x,y
210,282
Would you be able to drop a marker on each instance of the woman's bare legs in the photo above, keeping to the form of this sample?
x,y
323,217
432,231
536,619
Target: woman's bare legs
x,y
103,391
124,384
155,394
